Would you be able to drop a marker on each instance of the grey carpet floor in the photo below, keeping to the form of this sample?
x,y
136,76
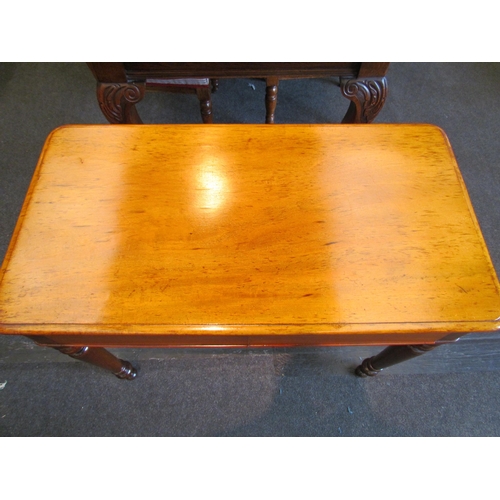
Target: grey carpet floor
x,y
452,391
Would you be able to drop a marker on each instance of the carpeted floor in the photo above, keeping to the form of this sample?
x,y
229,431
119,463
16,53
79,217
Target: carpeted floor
x,y
451,391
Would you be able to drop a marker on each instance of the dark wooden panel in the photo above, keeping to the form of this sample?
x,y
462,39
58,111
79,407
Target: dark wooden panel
x,y
371,69
108,72
241,70
253,340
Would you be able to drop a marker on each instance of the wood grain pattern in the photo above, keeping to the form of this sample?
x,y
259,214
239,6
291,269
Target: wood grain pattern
x,y
347,234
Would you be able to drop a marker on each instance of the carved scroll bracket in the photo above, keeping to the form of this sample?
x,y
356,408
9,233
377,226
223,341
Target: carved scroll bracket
x,y
117,101
367,97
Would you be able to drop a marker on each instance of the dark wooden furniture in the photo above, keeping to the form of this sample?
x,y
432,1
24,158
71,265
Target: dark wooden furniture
x,y
122,85
117,98
247,235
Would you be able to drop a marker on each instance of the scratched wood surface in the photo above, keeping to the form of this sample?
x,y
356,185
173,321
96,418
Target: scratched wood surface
x,y
352,234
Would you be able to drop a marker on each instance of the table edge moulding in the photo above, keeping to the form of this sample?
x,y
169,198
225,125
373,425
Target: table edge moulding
x,y
247,236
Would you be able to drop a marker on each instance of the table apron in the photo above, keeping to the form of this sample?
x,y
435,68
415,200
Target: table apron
x,y
243,340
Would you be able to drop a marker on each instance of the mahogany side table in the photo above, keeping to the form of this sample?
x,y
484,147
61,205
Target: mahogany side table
x,y
247,235
120,86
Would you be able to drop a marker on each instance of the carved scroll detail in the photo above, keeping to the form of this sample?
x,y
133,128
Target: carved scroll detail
x,y
117,101
367,95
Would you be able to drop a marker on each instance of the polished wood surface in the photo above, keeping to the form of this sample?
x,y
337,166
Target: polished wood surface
x,y
248,235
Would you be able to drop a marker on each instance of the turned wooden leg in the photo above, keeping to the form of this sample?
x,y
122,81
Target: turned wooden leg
x,y
100,357
117,101
367,96
271,98
391,356
205,104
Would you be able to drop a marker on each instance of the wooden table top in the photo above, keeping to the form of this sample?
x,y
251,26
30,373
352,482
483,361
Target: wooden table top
x,y
348,233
